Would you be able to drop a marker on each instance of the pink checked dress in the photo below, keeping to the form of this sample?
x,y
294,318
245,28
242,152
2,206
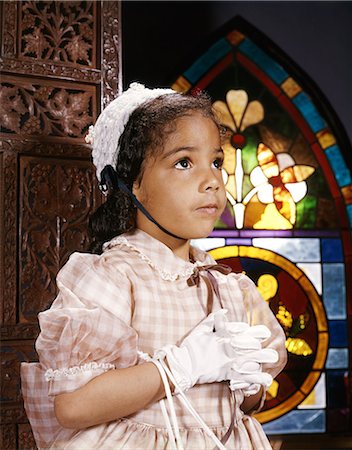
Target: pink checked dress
x,y
135,296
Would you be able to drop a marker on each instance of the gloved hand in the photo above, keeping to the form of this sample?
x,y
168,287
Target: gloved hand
x,y
218,350
247,369
203,356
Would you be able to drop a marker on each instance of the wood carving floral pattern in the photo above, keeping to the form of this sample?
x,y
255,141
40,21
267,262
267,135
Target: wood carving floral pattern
x,y
12,354
8,436
111,50
56,201
58,31
9,28
34,109
25,437
60,63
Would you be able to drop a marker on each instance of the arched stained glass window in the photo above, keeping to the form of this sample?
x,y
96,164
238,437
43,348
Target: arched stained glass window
x,y
288,217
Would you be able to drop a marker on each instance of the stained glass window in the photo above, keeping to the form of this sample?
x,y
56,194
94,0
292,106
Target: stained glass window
x,y
288,217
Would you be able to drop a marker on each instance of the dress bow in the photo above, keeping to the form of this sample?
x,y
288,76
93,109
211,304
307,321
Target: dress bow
x,y
210,281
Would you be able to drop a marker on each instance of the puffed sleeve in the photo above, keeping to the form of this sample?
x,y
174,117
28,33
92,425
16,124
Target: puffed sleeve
x,y
87,330
259,313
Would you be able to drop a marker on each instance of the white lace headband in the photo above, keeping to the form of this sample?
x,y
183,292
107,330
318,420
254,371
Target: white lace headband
x,y
105,134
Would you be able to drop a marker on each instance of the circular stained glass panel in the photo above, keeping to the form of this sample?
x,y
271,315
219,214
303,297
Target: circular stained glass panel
x,y
299,309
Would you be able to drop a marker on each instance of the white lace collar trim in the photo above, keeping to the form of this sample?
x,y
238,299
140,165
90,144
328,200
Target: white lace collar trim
x,y
184,269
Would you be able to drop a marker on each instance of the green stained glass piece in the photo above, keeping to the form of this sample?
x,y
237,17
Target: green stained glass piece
x,y
306,212
220,224
317,184
249,155
247,185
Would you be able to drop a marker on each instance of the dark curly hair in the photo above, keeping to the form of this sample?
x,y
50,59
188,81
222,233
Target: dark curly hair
x,y
143,136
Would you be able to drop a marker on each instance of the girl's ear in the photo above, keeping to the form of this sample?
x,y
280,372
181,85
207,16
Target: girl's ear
x,y
136,187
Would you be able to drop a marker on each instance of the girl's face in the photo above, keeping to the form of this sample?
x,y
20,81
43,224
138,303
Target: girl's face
x,y
182,186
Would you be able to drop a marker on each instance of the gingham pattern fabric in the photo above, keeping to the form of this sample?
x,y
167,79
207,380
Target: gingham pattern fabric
x,y
134,297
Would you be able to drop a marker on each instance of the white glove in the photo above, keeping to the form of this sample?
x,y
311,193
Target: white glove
x,y
202,357
217,350
247,369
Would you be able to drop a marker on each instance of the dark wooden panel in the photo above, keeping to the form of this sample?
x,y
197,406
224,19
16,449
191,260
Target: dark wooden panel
x,y
40,108
9,236
8,436
56,198
9,29
58,31
60,63
12,354
25,437
19,331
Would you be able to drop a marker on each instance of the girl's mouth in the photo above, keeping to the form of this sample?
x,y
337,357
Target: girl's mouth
x,y
211,209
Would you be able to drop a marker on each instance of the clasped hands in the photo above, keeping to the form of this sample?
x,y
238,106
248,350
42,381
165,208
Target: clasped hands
x,y
218,350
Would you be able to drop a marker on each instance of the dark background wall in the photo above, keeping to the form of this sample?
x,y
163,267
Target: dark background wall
x,y
159,38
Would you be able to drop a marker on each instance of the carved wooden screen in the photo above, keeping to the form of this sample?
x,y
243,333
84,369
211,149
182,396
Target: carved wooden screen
x,y
59,66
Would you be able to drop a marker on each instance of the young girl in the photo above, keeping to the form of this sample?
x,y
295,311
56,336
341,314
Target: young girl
x,y
149,315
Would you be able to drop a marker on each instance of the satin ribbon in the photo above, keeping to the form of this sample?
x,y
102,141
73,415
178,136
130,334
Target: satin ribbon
x,y
212,287
210,281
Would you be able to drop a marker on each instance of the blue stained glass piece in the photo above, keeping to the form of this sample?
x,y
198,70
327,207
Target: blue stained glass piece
x,y
294,249
267,64
349,212
309,111
206,61
233,241
301,421
338,164
337,358
334,290
332,250
338,336
336,390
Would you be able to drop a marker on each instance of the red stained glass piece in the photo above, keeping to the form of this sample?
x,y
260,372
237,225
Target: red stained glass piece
x,y
275,181
238,140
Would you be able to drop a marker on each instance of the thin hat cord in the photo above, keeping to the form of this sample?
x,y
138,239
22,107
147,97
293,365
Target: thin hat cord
x,y
176,429
190,408
174,434
110,179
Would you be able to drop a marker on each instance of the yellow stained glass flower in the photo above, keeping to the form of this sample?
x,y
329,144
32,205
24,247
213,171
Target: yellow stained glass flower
x,y
237,114
284,317
280,181
298,347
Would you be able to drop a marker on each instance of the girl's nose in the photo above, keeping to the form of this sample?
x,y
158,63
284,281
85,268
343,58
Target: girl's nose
x,y
211,182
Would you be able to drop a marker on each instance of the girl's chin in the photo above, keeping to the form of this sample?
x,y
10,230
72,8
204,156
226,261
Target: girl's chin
x,y
190,231
201,234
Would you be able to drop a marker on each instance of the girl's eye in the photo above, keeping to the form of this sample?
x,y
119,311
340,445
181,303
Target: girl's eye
x,y
218,163
183,164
